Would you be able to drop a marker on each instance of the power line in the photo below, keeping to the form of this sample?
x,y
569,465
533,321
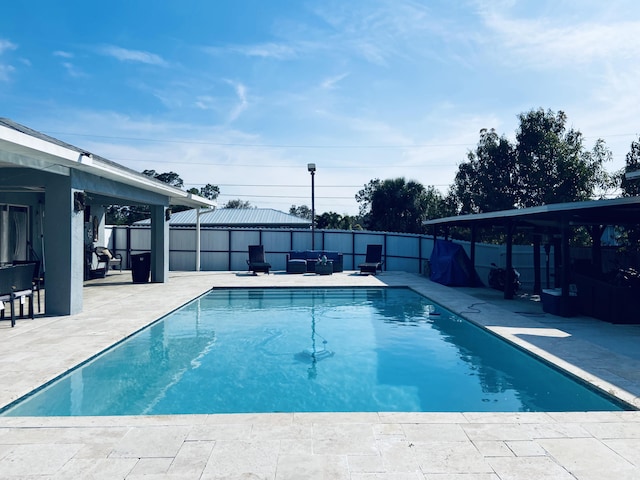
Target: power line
x,y
278,186
273,145
257,145
282,196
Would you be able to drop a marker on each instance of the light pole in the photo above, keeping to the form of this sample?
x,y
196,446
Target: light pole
x,y
312,170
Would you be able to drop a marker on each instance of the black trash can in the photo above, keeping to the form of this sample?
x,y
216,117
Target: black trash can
x,y
141,267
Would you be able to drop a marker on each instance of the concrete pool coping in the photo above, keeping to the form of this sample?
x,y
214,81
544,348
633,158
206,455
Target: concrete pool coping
x,y
464,446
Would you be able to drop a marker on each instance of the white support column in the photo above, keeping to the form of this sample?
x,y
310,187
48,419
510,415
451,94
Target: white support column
x,y
198,240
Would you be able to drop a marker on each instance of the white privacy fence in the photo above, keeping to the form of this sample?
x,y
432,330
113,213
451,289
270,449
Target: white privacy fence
x,y
225,249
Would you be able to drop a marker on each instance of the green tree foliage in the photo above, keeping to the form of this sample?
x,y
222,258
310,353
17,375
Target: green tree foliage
x,y
631,188
393,205
237,203
552,164
208,191
486,182
170,178
364,197
438,206
396,205
630,236
302,211
333,220
547,164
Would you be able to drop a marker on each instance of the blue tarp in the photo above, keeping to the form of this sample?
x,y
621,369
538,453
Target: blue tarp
x,y
451,266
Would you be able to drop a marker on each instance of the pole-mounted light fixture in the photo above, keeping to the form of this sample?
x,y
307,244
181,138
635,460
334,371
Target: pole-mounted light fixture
x,y
312,170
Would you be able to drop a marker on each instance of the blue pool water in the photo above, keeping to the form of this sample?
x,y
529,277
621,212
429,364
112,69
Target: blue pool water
x,y
311,350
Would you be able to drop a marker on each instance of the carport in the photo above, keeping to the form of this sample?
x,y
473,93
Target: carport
x,y
53,195
554,224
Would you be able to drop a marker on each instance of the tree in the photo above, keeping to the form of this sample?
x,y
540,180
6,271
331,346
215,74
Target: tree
x,y
302,211
364,196
437,206
208,191
547,164
394,205
237,203
336,221
552,164
485,182
631,188
170,178
605,184
630,236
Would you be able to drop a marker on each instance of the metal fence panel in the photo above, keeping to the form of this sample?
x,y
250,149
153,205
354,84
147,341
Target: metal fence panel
x,y
214,240
182,261
227,249
241,239
301,240
182,239
141,239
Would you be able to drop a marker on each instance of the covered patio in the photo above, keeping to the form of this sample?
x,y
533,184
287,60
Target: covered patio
x,y
52,209
551,227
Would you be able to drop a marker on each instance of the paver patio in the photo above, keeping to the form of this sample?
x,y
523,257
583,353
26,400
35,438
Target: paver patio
x,y
357,446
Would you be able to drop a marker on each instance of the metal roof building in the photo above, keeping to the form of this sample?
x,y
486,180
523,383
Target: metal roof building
x,y
236,217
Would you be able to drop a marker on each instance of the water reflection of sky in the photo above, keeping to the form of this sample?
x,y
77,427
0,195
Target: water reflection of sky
x,y
311,350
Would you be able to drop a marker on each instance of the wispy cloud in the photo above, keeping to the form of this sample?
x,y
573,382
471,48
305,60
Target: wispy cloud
x,y
241,106
73,71
5,69
6,45
138,56
5,72
379,32
63,54
555,41
332,82
278,51
205,102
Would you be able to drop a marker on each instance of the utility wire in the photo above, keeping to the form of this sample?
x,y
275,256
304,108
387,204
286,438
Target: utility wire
x,y
259,145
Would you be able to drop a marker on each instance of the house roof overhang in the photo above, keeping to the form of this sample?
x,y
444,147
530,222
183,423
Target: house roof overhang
x,y
23,148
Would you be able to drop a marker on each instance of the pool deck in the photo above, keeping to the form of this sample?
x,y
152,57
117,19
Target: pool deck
x,y
298,446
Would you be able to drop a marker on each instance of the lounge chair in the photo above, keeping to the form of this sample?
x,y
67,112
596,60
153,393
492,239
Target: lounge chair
x,y
256,261
373,262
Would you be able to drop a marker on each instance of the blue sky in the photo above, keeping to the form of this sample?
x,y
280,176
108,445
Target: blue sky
x,y
244,93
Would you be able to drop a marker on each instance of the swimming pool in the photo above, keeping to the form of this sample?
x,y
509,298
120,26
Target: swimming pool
x,y
311,350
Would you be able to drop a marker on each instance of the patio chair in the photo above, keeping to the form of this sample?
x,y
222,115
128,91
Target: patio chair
x,y
373,261
105,255
23,288
16,283
256,261
6,289
38,276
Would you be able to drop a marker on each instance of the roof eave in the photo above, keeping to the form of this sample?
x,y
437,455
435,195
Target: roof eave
x,y
47,155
